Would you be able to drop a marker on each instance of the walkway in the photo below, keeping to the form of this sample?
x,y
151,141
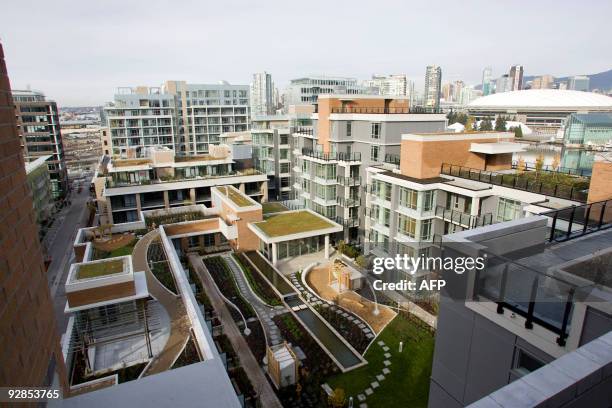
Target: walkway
x,y
179,331
264,312
267,397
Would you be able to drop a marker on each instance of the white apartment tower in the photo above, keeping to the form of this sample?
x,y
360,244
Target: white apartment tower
x,y
393,85
433,80
262,95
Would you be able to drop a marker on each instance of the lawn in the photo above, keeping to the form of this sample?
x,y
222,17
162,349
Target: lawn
x,y
269,208
407,385
238,198
122,251
292,223
95,270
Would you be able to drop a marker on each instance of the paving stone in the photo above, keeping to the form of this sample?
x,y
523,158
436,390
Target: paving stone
x,y
361,397
380,377
368,391
385,348
381,343
387,363
364,405
387,355
386,371
375,384
369,336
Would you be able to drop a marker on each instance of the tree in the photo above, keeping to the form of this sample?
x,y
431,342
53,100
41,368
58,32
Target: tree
x,y
518,132
520,165
361,261
485,125
470,124
337,399
500,123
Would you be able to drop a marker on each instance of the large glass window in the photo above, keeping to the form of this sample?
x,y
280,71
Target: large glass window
x,y
428,200
425,230
407,226
374,152
408,198
349,128
508,210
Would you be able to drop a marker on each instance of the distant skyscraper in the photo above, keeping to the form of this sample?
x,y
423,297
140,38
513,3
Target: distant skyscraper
x,y
578,83
457,87
486,81
433,81
388,84
447,91
502,84
516,77
262,95
543,82
468,94
411,93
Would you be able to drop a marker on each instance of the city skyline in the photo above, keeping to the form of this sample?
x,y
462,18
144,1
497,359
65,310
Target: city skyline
x,y
93,59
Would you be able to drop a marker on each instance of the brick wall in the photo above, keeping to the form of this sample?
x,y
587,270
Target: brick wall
x,y
29,341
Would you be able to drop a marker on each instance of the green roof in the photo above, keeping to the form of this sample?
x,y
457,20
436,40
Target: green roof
x,y
273,207
236,196
98,269
293,222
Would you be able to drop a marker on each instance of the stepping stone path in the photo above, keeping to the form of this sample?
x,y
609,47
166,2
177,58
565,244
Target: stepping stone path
x,y
364,405
379,377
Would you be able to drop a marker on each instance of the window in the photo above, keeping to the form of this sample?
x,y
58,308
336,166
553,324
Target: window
x,y
526,363
508,210
349,129
375,130
407,226
408,198
428,200
374,153
425,230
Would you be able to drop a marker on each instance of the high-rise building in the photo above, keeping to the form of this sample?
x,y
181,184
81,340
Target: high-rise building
x,y
502,84
468,94
578,83
394,84
306,90
262,95
457,88
487,86
543,82
447,92
185,117
516,77
29,345
433,80
39,130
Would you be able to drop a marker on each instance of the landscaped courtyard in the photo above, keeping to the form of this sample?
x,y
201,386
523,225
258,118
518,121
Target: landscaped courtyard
x,y
400,379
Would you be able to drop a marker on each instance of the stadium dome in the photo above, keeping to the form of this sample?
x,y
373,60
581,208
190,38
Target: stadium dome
x,y
543,99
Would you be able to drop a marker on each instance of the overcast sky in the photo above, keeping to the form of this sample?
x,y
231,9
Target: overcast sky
x,y
79,52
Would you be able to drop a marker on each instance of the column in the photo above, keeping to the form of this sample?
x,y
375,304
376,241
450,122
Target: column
x,y
475,206
138,205
192,195
166,199
327,246
274,253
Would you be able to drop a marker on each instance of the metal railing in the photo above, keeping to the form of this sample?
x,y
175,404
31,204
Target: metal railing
x,y
349,181
348,201
462,218
110,183
576,221
383,110
517,181
549,168
347,222
392,158
302,130
338,156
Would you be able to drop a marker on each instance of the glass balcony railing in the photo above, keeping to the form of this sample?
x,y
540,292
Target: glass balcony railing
x,y
464,219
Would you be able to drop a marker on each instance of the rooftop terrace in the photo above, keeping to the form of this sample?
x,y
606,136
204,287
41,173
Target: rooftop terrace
x,y
98,269
293,222
236,196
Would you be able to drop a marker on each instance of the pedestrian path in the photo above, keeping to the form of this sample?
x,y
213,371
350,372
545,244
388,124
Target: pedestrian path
x,y
264,312
380,377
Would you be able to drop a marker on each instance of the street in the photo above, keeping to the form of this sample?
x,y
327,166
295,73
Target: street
x,y
59,247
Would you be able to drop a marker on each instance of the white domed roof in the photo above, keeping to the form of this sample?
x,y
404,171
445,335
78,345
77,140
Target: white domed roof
x,y
543,98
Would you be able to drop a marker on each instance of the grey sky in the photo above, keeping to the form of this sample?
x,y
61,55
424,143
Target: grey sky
x,y
78,52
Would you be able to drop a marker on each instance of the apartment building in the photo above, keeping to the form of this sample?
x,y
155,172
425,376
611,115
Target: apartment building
x,y
393,85
40,134
37,173
161,179
29,346
533,327
270,137
348,134
188,118
306,90
433,81
262,95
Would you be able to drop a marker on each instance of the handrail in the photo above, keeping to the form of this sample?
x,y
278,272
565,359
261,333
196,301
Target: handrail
x,y
337,156
577,221
383,110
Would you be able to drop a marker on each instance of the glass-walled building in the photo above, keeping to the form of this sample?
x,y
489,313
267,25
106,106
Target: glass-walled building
x,y
588,129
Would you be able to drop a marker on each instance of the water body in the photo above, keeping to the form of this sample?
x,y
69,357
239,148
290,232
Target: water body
x,y
332,343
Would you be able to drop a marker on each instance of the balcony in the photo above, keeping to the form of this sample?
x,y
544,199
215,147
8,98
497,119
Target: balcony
x,y
110,183
304,130
541,182
383,110
349,201
464,219
338,156
349,181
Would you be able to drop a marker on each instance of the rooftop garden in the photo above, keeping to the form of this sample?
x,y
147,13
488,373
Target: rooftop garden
x,y
98,269
130,162
410,370
272,207
261,288
236,196
173,218
126,248
292,223
186,159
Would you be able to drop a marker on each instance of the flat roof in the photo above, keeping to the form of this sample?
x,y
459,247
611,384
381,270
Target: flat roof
x,y
237,197
97,269
288,225
431,180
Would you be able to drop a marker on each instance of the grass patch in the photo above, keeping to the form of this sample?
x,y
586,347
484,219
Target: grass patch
x,y
407,385
237,197
95,270
124,250
269,208
292,223
256,282
162,272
